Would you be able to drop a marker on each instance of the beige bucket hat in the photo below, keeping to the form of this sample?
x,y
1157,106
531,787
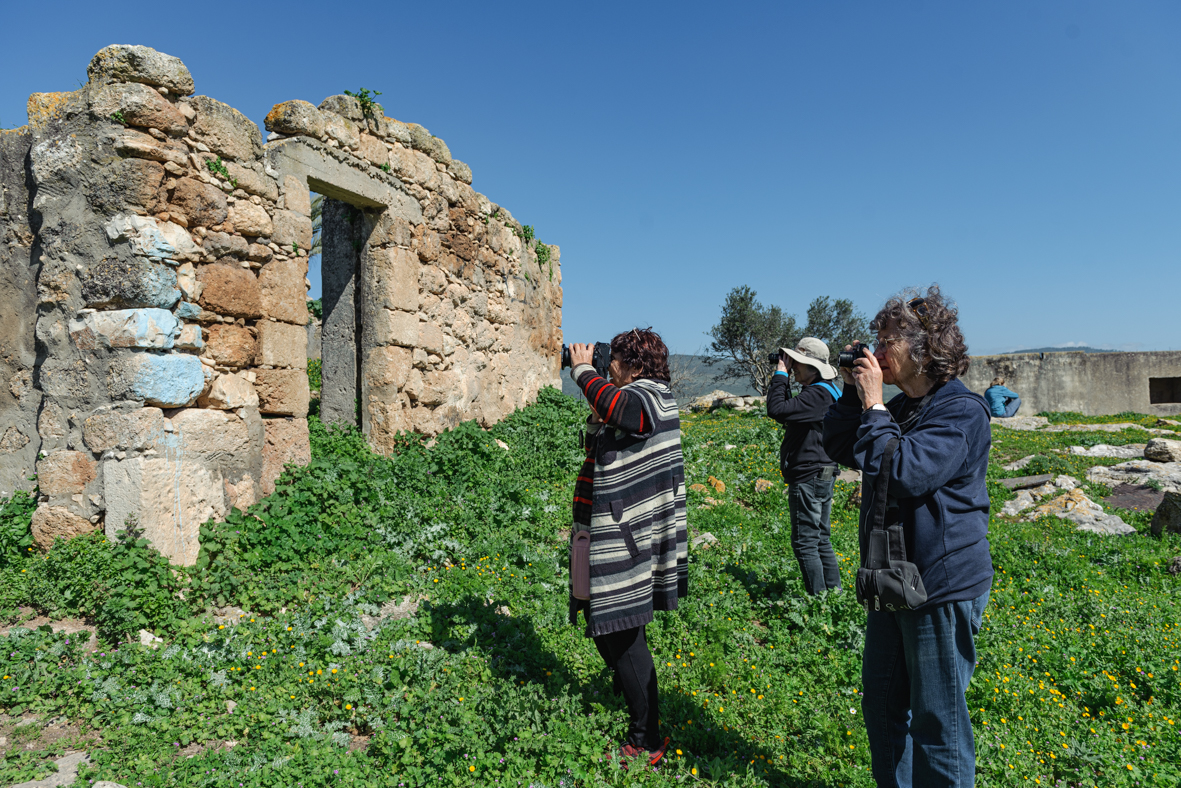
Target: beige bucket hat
x,y
814,353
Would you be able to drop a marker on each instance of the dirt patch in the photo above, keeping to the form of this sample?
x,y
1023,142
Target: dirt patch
x,y
358,743
29,732
1134,496
68,625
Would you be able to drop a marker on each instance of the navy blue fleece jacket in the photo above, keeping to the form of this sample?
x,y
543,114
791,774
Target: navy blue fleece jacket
x,y
937,479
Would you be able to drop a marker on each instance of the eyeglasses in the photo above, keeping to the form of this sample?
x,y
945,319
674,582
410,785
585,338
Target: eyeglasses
x,y
919,307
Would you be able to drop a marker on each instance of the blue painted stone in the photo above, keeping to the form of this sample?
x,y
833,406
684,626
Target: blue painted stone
x,y
187,311
170,381
119,283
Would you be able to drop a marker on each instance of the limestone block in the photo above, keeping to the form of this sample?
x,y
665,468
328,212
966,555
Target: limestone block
x,y
129,182
402,163
385,420
342,130
1163,450
287,442
135,430
139,105
230,345
149,238
432,279
344,106
143,328
373,150
296,196
397,131
252,182
387,367
221,244
429,144
395,279
230,290
51,522
460,171
391,327
283,290
225,130
187,311
65,473
170,497
282,392
229,392
423,420
170,381
462,326
430,246
292,228
203,204
438,387
477,304
282,345
241,494
211,437
295,117
186,280
250,219
392,230
13,440
414,382
259,253
123,63
430,338
137,282
141,146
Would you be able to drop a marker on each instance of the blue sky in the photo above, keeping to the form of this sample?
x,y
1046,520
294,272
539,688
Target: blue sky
x,y
1025,155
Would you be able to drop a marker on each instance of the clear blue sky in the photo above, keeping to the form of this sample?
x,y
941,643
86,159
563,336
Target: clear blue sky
x,y
1025,155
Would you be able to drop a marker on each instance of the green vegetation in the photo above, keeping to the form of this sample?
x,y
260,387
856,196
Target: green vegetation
x,y
218,167
118,118
316,308
367,99
1077,682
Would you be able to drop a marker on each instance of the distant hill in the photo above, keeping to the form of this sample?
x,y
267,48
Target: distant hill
x,y
1082,349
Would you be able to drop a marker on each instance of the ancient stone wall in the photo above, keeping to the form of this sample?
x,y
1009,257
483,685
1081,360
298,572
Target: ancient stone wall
x,y
1097,384
153,319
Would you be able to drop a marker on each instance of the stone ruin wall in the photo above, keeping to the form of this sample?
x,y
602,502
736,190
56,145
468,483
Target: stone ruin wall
x,y
153,318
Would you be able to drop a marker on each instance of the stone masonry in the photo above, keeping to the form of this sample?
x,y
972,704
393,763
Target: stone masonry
x,y
153,318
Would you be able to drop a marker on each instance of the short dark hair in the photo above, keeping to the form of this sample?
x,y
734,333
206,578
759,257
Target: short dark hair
x,y
930,325
643,349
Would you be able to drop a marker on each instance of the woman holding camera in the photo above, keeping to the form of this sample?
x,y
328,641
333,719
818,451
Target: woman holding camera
x,y
630,496
919,658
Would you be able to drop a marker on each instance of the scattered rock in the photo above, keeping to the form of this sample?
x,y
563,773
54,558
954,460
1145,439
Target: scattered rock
x,y
1023,501
849,475
1168,423
704,540
762,485
1175,566
1168,515
393,611
146,638
698,487
1167,474
230,615
1126,452
1017,465
1025,482
717,484
230,706
1023,423
67,772
1064,482
502,444
1084,513
1163,450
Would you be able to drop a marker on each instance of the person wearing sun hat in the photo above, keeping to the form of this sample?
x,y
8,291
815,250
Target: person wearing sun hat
x,y
806,467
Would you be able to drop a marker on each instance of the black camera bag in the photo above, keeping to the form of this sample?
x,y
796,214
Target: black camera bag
x,y
886,579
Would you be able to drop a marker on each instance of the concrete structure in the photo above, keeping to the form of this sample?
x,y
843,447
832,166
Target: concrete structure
x,y
1096,384
153,319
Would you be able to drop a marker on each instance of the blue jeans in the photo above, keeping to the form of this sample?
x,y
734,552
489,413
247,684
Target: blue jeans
x,y
810,506
915,672
1011,406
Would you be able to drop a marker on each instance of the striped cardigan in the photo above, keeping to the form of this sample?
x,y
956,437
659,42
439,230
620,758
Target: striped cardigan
x,y
638,526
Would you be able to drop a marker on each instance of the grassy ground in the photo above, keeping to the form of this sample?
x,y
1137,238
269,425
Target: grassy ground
x,y
488,684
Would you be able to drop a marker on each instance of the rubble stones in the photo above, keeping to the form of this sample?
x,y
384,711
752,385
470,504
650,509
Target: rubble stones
x,y
292,230
1163,450
204,205
165,381
1084,513
139,105
122,63
251,182
230,346
282,392
221,244
1126,452
295,117
282,345
250,219
345,106
1167,518
229,392
460,171
286,442
1166,474
229,290
65,473
51,522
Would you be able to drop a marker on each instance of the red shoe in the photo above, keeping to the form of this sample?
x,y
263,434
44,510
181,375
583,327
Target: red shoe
x,y
657,754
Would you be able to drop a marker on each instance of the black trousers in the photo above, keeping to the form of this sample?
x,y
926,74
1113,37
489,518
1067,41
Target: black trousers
x,y
626,652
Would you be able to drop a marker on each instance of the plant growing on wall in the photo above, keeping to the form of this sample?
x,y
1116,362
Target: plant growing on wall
x,y
366,98
218,167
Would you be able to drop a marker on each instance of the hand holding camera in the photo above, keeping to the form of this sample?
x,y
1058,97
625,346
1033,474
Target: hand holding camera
x,y
859,367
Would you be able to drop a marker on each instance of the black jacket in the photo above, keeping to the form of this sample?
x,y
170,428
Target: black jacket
x,y
801,455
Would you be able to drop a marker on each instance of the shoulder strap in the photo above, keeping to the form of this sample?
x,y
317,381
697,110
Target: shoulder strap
x,y
831,389
881,485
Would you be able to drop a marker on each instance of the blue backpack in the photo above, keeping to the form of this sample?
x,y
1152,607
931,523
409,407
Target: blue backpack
x,y
831,389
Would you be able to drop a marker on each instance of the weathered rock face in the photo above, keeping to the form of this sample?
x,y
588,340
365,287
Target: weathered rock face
x,y
1167,518
153,296
1163,450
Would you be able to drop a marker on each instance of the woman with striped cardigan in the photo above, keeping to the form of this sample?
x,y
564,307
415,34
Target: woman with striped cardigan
x,y
630,496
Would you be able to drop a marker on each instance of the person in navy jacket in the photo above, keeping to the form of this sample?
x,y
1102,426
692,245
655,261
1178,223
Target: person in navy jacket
x,y
917,663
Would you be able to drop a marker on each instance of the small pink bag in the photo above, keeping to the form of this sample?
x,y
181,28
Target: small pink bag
x,y
580,565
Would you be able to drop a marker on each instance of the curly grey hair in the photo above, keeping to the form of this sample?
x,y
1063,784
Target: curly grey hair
x,y
929,324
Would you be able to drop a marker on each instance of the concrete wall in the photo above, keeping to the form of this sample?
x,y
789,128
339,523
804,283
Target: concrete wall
x,y
153,319
1096,384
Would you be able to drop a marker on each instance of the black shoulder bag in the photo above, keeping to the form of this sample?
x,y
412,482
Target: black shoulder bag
x,y
886,579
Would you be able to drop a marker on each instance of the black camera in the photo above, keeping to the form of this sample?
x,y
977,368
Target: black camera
x,y
846,357
601,360
774,357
